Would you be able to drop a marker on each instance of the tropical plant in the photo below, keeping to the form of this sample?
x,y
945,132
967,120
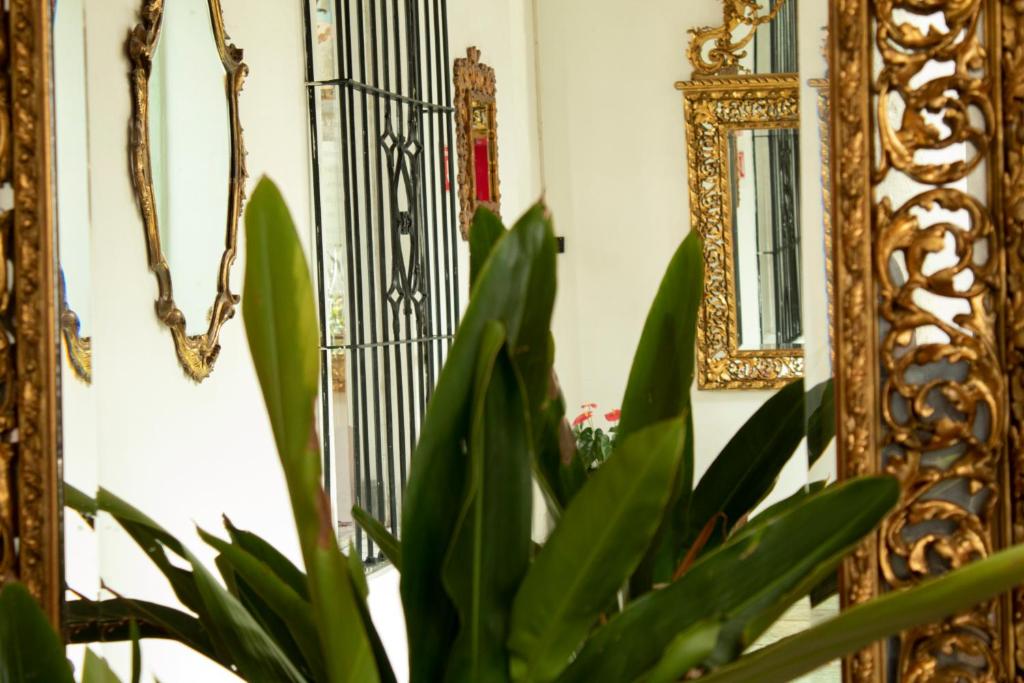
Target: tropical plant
x,y
31,651
594,444
481,601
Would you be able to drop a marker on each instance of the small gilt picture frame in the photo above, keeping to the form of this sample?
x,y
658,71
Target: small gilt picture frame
x,y
476,124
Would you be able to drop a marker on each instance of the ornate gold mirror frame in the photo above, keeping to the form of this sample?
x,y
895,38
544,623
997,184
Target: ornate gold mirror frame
x,y
739,26
715,108
77,347
933,397
196,353
476,121
30,500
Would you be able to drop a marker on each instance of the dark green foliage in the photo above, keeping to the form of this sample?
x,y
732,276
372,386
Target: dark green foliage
x,y
481,601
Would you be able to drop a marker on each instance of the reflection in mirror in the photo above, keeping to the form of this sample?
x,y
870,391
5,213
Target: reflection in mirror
x,y
73,187
190,152
77,409
764,174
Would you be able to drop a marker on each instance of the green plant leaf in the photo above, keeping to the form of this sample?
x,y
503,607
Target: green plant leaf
x,y
490,551
91,621
861,625
96,670
773,512
761,573
660,381
80,503
600,540
662,373
281,324
387,543
135,635
231,627
485,232
749,465
256,546
357,571
821,423
433,498
282,599
30,651
686,651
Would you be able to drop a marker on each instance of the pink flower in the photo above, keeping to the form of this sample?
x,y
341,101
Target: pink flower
x,y
613,416
581,418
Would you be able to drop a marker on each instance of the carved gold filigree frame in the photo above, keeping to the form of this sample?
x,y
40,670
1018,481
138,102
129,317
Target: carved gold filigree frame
x,y
932,398
825,141
30,500
476,115
724,56
197,353
714,109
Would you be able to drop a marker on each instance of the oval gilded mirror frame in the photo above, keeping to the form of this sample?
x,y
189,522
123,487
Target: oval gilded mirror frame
x,y
197,353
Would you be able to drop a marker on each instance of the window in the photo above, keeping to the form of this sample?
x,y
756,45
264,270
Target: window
x,y
379,88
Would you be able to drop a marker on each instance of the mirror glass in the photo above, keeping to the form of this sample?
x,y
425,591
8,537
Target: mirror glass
x,y
74,239
72,162
764,173
190,150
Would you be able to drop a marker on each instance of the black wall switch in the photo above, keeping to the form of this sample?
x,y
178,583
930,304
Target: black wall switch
x,y
561,244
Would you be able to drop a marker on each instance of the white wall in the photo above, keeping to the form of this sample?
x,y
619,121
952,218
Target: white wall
x,y
184,452
503,31
615,166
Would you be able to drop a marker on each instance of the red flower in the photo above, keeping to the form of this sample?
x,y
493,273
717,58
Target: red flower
x,y
613,416
581,418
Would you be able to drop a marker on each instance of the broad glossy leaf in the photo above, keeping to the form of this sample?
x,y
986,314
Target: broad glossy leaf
x,y
80,503
281,323
96,670
380,656
662,373
821,423
284,568
600,540
91,621
30,651
686,651
485,232
290,607
387,543
231,627
136,635
749,465
759,573
491,548
357,572
893,612
659,386
433,498
773,512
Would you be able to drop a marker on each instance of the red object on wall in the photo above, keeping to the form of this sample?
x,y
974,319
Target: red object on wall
x,y
447,178
482,169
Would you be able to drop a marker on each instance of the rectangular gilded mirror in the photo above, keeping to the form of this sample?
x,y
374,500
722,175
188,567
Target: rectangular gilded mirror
x,y
743,161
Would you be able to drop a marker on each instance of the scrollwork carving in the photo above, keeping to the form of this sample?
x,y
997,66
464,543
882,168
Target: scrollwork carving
x,y
724,56
714,108
922,381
